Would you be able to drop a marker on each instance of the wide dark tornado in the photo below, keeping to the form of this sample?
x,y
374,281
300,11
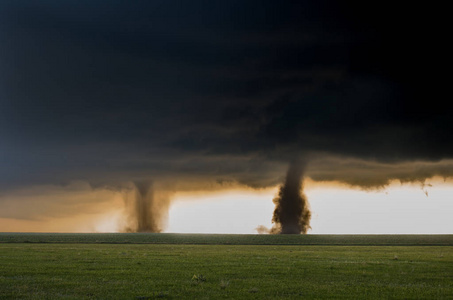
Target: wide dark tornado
x,y
292,214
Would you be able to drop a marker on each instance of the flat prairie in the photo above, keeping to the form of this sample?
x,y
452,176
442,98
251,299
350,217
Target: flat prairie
x,y
171,266
232,239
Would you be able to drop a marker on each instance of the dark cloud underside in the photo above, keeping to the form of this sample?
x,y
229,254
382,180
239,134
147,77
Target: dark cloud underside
x,y
117,91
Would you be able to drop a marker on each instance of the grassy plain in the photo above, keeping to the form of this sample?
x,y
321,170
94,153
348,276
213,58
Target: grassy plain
x,y
166,271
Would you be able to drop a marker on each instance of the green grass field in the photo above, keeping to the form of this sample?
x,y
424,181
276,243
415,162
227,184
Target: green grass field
x,y
229,239
153,266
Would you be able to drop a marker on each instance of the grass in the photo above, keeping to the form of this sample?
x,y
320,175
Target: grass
x,y
189,271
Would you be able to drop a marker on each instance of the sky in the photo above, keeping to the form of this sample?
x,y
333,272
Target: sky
x,y
213,100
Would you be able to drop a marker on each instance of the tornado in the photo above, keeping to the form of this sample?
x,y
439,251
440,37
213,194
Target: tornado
x,y
146,212
292,214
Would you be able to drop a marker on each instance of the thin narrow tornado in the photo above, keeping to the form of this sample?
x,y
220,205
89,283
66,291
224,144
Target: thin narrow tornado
x,y
145,212
291,214
144,207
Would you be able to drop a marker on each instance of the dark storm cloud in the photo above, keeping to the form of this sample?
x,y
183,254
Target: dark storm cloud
x,y
232,90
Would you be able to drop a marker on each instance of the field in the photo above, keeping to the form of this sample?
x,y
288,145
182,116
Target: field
x,y
169,266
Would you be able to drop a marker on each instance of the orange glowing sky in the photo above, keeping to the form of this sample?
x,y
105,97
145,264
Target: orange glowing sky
x,y
336,208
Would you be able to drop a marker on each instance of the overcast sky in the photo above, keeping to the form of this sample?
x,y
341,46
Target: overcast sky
x,y
224,91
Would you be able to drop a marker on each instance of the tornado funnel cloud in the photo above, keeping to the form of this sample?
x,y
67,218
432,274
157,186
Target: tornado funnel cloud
x,y
292,214
144,207
145,210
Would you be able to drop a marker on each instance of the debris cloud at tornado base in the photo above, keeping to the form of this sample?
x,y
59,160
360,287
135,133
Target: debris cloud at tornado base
x,y
292,214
